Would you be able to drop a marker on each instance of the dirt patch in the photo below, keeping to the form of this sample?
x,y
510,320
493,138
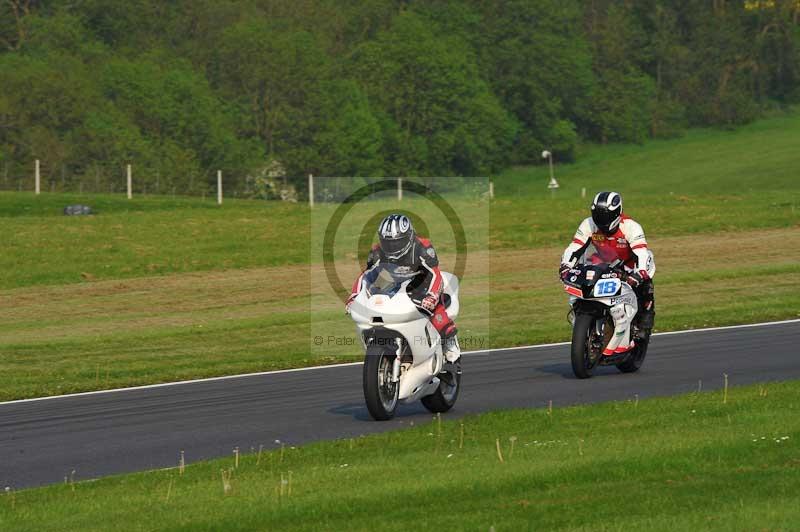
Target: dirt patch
x,y
677,254
109,307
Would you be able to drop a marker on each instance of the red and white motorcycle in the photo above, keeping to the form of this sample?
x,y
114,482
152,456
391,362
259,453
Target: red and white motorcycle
x,y
404,361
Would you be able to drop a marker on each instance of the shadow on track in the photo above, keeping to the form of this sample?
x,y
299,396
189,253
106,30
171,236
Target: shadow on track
x,y
358,411
564,369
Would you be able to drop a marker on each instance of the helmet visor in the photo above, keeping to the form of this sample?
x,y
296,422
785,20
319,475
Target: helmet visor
x,y
604,218
395,247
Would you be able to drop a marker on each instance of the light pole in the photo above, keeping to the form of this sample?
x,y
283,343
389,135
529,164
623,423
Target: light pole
x,y
553,184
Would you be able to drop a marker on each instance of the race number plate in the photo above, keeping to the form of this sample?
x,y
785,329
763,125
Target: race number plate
x,y
606,287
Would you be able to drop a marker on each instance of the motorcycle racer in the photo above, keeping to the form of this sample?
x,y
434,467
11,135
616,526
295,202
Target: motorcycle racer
x,y
400,245
615,236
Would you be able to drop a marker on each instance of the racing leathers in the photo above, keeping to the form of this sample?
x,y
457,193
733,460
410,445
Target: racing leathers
x,y
425,290
628,244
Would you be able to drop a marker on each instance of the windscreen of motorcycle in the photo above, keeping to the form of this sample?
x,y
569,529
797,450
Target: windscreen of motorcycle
x,y
386,279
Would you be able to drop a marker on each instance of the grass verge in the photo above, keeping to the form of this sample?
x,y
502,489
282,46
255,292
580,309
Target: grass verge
x,y
690,462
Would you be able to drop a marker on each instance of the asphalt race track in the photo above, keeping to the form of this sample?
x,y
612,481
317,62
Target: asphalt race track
x,y
42,441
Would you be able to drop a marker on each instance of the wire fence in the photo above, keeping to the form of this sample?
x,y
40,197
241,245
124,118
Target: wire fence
x,y
352,189
99,178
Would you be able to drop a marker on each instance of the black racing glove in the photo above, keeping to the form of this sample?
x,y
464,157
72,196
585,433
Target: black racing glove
x,y
563,271
634,279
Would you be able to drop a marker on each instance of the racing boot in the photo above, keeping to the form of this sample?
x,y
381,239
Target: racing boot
x,y
644,324
452,351
647,311
647,317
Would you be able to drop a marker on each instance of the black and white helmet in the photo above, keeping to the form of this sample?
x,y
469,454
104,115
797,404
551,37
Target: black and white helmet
x,y
396,235
607,211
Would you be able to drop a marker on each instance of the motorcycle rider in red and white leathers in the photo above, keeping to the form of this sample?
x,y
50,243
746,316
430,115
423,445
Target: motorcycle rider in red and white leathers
x,y
400,245
616,236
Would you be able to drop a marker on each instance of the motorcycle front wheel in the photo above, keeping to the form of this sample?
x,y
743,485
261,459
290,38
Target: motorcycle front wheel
x,y
380,393
582,364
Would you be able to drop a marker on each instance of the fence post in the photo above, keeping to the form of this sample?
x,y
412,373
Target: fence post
x,y
491,189
399,189
311,191
219,187
130,183
38,178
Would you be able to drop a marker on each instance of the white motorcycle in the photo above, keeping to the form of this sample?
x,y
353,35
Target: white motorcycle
x,y
404,361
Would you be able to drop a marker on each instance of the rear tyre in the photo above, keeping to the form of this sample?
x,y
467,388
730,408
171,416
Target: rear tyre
x,y
380,393
582,364
445,396
636,359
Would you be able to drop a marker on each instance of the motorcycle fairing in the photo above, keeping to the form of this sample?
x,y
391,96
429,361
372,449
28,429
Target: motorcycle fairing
x,y
384,310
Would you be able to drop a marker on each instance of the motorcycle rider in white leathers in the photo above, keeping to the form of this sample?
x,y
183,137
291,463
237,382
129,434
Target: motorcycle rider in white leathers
x,y
616,236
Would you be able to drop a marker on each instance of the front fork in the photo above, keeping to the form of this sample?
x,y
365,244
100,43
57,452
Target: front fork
x,y
597,332
397,362
599,325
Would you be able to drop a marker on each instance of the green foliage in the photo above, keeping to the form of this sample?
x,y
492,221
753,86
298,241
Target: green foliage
x,y
539,64
377,87
440,117
349,144
563,140
623,100
45,100
623,106
63,32
188,128
271,73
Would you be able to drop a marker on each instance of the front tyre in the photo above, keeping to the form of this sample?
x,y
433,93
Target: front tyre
x,y
582,364
446,394
380,393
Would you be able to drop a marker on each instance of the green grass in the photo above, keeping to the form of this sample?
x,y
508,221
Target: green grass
x,y
142,237
681,463
707,181
760,157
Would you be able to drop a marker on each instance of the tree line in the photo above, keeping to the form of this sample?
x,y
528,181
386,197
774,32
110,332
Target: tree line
x,y
266,88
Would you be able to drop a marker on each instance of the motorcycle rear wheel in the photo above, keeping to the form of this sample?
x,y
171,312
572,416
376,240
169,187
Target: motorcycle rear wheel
x,y
582,364
380,393
445,396
635,361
